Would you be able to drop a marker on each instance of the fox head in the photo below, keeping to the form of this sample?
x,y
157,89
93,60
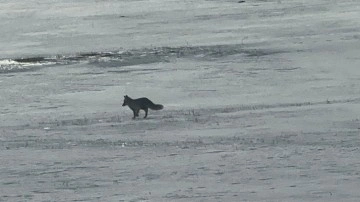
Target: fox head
x,y
126,100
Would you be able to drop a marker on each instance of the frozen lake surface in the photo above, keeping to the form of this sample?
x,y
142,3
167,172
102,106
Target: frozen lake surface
x,y
262,100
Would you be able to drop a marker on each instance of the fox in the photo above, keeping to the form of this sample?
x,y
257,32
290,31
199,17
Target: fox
x,y
141,103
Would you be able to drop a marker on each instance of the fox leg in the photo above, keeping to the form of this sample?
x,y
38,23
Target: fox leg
x,y
136,112
146,112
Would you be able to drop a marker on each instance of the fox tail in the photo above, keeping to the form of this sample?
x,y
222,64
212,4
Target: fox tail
x,y
156,107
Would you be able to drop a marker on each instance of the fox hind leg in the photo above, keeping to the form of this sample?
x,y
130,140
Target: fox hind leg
x,y
146,112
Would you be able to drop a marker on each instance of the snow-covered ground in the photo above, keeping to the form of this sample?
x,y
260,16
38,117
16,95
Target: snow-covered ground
x,y
262,100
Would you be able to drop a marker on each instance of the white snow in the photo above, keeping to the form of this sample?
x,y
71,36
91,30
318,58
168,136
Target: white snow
x,y
261,101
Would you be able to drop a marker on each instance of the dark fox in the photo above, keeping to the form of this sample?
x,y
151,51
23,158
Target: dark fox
x,y
141,103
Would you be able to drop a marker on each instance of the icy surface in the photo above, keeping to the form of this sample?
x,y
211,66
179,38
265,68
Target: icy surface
x,y
262,100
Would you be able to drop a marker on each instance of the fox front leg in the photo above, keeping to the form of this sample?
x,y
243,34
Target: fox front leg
x,y
135,115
